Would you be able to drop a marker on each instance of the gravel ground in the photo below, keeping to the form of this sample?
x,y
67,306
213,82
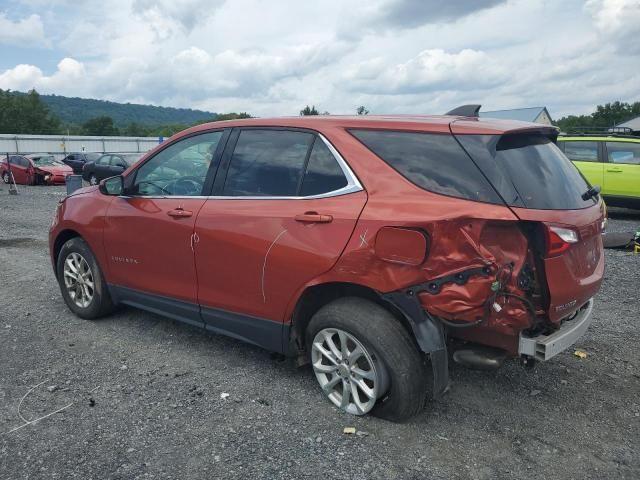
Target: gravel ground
x,y
145,394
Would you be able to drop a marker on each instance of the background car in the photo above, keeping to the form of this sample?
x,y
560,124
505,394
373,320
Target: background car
x,y
77,160
613,162
34,169
108,165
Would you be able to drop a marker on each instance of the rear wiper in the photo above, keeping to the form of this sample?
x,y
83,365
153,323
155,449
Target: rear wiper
x,y
591,193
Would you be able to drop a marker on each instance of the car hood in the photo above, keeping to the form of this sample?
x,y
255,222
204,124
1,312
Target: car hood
x,y
55,169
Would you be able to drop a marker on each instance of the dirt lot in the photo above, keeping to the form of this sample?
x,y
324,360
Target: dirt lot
x,y
145,394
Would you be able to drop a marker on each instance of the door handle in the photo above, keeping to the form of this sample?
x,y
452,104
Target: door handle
x,y
313,217
179,213
614,170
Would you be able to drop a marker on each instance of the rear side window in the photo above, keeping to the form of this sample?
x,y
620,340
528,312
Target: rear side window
x,y
267,163
529,171
434,162
581,151
621,152
323,173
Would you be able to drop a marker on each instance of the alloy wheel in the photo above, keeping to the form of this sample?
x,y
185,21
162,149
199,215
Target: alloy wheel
x,y
349,375
93,180
5,177
78,280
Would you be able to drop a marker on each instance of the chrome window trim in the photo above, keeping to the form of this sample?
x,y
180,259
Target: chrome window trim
x,y
353,185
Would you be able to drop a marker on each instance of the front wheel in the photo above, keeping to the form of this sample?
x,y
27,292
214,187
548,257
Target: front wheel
x,y
6,178
93,180
365,361
81,282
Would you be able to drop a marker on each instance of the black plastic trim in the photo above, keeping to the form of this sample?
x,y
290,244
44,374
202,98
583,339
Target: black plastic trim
x,y
472,110
258,331
429,333
167,307
267,334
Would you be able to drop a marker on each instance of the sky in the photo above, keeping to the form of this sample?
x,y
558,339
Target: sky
x,y
273,57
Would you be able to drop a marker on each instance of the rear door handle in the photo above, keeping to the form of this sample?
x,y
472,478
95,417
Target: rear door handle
x,y
313,217
614,170
179,213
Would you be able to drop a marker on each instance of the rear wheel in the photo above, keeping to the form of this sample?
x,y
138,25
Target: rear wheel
x,y
365,361
81,282
5,177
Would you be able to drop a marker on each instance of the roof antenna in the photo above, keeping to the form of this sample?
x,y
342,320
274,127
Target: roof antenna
x,y
465,111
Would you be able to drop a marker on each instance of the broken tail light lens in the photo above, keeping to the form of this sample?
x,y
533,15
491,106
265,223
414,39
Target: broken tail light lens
x,y
559,239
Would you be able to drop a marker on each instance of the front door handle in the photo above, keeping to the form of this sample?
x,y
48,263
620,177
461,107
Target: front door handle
x,y
313,217
179,213
614,170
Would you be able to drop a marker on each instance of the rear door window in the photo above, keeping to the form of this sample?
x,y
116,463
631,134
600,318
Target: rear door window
x,y
581,151
623,152
267,163
434,162
323,174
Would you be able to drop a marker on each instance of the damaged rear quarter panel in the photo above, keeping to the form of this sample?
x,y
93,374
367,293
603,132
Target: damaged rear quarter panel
x,y
462,234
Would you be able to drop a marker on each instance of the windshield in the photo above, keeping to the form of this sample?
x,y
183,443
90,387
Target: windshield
x,y
528,170
46,160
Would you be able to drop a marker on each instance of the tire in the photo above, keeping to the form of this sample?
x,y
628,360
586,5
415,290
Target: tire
x,y
6,178
399,368
93,180
86,301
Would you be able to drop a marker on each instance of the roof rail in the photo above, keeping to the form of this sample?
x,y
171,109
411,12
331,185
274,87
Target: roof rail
x,y
465,111
600,130
624,132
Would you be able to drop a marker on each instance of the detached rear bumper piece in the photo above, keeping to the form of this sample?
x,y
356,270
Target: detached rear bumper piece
x,y
544,347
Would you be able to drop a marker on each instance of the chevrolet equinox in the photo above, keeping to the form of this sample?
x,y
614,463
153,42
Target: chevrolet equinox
x,y
368,247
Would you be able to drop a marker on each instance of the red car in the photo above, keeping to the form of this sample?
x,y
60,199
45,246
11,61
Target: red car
x,y
34,169
363,245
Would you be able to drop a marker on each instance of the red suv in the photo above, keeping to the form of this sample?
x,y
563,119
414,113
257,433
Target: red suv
x,y
363,245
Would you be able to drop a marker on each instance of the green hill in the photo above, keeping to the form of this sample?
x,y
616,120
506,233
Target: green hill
x,y
73,110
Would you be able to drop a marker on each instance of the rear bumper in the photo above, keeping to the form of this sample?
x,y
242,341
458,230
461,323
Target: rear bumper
x,y
544,347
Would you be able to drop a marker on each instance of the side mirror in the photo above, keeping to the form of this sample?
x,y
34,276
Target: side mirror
x,y
112,186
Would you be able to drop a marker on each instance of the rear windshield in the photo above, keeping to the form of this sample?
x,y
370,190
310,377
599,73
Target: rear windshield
x,y
434,162
528,170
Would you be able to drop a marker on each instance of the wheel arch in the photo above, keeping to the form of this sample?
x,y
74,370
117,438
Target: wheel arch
x,y
63,237
316,296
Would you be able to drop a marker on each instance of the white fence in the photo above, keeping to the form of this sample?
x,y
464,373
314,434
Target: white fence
x,y
63,144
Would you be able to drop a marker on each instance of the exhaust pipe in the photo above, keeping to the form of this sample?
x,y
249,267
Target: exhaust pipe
x,y
480,358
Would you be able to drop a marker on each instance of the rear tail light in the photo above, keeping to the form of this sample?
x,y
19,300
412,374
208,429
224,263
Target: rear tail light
x,y
559,239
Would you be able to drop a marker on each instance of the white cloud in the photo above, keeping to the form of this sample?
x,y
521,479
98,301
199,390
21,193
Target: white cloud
x,y
395,56
617,21
430,70
23,77
27,31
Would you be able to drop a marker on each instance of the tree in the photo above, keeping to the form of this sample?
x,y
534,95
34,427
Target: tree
x,y
231,116
20,113
135,130
605,116
100,126
362,110
309,111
